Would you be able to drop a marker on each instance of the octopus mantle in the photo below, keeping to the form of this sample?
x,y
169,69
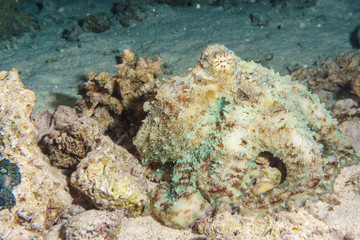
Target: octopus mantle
x,y
236,132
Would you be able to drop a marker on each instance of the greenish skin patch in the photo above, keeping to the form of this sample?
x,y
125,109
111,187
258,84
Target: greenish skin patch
x,y
10,177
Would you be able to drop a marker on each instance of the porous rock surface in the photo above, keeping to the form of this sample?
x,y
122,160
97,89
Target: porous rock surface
x,y
42,196
65,137
112,178
93,224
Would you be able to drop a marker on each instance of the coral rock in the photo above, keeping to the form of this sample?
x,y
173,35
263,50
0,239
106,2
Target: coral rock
x,y
347,112
135,79
116,102
355,84
328,78
234,131
346,109
65,137
351,130
112,178
93,224
42,195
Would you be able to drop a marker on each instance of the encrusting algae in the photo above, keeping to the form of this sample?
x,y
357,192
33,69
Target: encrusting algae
x,y
231,131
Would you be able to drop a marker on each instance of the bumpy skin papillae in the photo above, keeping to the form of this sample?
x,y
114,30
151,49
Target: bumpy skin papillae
x,y
234,131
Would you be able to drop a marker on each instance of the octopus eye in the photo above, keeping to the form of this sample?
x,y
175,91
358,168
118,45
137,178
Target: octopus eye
x,y
224,62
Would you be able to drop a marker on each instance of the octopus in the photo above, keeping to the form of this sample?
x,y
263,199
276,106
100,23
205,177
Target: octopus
x,y
235,132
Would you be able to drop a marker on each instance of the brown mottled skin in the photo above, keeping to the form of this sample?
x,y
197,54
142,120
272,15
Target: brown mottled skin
x,y
236,132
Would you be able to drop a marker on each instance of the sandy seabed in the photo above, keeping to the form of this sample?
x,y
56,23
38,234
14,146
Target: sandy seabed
x,y
54,67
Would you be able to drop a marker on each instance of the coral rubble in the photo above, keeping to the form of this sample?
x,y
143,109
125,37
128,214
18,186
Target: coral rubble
x,y
355,83
337,82
93,224
97,23
106,174
236,132
347,112
329,78
65,137
135,79
116,102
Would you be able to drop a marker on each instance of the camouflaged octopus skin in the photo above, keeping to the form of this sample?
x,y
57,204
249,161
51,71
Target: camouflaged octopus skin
x,y
236,132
